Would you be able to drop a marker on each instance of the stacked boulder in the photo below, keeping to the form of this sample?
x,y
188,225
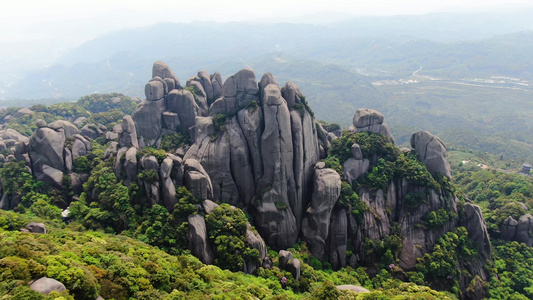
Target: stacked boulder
x,y
256,146
53,148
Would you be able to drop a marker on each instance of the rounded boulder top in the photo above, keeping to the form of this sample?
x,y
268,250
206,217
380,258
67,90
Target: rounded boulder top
x,y
365,117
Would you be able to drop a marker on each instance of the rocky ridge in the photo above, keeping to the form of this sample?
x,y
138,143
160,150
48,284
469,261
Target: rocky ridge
x,y
256,146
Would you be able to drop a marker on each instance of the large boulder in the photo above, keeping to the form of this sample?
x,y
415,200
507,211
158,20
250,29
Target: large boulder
x,y
11,134
183,104
46,285
432,152
197,239
476,227
36,227
127,137
162,70
256,242
197,180
523,230
154,90
315,225
371,120
68,128
46,148
276,187
508,229
147,117
242,87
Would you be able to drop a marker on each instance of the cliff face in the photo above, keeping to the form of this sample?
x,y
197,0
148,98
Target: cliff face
x,y
259,146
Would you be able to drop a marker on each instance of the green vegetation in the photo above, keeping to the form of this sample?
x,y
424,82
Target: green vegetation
x,y
441,267
226,227
172,141
99,103
499,194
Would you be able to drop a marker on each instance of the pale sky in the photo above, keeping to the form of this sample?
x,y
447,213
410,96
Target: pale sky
x,y
19,15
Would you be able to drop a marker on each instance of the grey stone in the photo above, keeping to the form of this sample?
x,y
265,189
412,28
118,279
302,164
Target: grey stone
x,y
130,165
291,93
36,227
78,121
284,257
182,103
23,111
68,128
162,70
149,162
242,87
68,160
276,187
354,168
147,118
477,229
197,180
127,137
171,84
315,225
46,285
216,82
154,90
293,266
46,148
111,136
432,152
256,242
11,134
209,206
91,131
370,120
508,229
171,120
111,150
356,151
523,229
197,239
51,175
40,123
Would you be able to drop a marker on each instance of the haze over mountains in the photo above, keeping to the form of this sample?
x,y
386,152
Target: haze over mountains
x,y
464,76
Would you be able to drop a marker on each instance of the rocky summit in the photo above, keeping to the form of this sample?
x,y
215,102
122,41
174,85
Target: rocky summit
x,y
256,146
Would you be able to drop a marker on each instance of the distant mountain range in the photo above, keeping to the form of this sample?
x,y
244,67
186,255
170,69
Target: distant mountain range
x,y
442,72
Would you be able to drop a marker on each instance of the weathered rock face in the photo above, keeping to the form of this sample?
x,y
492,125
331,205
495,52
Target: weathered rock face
x,y
432,152
46,148
524,227
197,239
127,137
52,150
147,117
256,146
370,120
162,70
197,180
46,285
258,149
315,225
36,227
508,229
477,229
256,242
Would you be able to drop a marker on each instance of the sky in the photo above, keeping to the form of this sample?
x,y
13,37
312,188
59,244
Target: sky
x,y
31,19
